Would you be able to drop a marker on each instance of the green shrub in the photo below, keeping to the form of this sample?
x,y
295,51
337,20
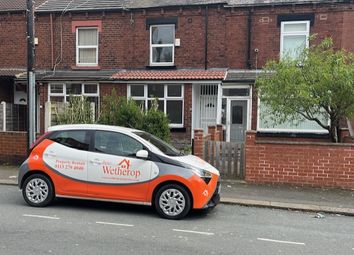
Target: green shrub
x,y
109,108
77,110
156,123
120,111
129,114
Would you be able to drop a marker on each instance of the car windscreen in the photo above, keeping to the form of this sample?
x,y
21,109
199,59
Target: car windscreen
x,y
161,145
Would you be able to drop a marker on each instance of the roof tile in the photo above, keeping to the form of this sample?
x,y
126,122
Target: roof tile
x,y
171,75
11,72
80,5
16,5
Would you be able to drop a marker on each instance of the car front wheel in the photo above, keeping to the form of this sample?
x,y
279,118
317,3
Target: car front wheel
x,y
38,190
172,201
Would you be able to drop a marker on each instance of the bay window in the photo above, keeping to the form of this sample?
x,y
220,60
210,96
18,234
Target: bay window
x,y
61,92
169,98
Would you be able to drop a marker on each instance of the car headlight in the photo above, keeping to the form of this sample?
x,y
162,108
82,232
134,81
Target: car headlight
x,y
204,174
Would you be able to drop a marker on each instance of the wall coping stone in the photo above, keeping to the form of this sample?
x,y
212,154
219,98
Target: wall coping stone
x,y
305,143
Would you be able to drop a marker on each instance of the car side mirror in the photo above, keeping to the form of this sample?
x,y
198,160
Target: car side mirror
x,y
143,154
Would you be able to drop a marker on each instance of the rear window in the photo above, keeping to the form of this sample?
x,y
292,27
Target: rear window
x,y
76,139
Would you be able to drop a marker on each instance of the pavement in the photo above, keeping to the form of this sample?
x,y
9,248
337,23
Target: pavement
x,y
335,201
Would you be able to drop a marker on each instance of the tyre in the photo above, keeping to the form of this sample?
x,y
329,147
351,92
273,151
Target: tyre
x,y
172,201
38,190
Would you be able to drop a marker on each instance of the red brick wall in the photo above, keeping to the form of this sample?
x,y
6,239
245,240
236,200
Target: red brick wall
x,y
299,163
13,147
12,40
348,31
198,146
124,42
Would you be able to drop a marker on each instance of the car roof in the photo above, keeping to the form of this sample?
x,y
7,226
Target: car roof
x,y
92,127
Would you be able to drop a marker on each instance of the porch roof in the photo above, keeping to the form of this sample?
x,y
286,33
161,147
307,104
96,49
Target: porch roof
x,y
240,75
72,75
12,72
185,74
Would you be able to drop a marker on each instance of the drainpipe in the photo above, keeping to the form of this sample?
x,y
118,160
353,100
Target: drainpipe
x,y
206,39
351,130
52,39
249,39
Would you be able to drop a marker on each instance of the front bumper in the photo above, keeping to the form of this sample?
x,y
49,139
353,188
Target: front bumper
x,y
215,199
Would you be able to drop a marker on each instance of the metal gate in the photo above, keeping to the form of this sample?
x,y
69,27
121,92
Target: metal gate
x,y
208,105
227,157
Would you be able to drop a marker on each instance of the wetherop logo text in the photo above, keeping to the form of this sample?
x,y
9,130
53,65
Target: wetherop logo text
x,y
123,169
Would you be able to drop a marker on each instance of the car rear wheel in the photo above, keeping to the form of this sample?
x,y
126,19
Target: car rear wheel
x,y
38,190
172,201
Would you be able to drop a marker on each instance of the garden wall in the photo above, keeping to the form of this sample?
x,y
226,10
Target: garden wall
x,y
13,147
316,164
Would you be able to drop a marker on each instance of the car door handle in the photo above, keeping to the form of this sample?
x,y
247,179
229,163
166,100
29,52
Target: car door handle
x,y
50,154
96,161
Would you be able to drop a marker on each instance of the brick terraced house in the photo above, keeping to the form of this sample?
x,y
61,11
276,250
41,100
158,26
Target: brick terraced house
x,y
199,58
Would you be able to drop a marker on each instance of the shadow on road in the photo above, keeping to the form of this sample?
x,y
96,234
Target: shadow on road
x,y
120,208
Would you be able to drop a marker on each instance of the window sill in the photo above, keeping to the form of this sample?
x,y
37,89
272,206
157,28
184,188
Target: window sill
x,y
86,68
178,129
292,135
164,67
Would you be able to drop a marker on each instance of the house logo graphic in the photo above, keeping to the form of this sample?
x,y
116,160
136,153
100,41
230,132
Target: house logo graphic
x,y
125,163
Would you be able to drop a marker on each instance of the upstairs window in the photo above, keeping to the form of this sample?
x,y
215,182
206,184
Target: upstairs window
x,y
162,48
87,46
294,38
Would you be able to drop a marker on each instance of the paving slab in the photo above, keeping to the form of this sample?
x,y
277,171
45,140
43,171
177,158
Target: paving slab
x,y
8,174
289,197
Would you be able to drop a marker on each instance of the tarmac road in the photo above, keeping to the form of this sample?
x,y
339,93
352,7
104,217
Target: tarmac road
x,y
83,227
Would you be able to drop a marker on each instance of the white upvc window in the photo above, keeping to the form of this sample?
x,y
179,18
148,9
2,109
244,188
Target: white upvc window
x,y
162,49
87,46
267,123
169,96
294,38
60,92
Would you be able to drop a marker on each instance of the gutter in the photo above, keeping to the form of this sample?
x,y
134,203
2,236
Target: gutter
x,y
286,3
131,8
